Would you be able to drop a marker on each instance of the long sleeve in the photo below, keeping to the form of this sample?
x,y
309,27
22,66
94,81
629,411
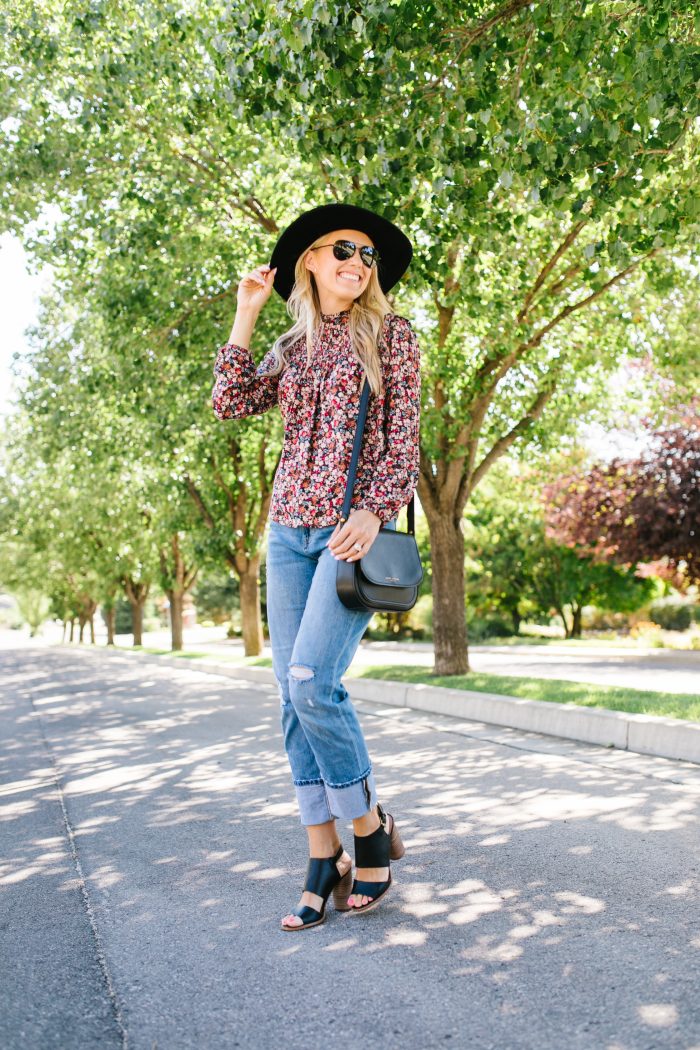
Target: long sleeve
x,y
239,388
396,474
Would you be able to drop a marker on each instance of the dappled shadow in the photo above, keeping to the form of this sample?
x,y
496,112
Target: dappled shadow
x,y
557,894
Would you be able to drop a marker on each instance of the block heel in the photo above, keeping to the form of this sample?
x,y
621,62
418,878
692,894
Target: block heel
x,y
342,891
396,846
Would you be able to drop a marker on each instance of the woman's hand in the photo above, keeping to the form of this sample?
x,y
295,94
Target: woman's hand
x,y
255,288
362,527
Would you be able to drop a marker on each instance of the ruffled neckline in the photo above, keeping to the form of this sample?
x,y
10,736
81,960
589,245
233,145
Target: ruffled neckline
x,y
343,315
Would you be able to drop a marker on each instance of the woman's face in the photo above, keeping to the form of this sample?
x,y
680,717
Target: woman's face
x,y
339,281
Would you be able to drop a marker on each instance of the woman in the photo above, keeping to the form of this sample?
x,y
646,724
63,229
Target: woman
x,y
333,266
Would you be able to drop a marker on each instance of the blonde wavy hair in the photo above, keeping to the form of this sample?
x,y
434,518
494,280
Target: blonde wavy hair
x,y
366,321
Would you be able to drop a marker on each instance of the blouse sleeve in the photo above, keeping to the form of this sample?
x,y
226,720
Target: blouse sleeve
x,y
241,389
396,475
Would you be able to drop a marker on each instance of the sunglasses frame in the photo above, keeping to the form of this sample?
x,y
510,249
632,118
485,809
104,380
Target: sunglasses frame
x,y
374,257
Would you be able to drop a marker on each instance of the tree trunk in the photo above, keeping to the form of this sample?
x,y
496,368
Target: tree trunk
x,y
137,619
567,629
176,599
248,508
137,594
576,624
251,615
449,615
82,623
110,617
176,579
72,629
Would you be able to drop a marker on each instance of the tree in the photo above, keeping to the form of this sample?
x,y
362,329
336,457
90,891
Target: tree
x,y
640,510
564,170
559,188
566,580
514,566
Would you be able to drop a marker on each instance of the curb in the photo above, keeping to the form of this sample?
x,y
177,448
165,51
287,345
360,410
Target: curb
x,y
672,738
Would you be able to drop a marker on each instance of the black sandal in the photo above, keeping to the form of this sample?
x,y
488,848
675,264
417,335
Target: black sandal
x,y
322,877
375,851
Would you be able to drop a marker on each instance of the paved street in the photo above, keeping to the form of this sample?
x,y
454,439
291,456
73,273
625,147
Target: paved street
x,y
149,845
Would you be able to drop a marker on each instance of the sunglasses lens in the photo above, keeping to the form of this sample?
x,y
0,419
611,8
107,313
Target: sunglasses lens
x,y
346,249
343,250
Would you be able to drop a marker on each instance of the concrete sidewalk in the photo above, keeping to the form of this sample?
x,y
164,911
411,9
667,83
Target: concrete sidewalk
x,y
150,844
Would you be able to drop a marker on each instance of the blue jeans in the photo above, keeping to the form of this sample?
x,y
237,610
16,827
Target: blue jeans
x,y
314,637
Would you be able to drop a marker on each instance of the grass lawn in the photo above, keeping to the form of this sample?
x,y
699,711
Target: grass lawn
x,y
551,690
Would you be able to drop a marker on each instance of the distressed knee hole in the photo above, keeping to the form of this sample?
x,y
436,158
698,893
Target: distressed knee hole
x,y
301,673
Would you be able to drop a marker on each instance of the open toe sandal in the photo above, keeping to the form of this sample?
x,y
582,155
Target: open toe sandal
x,y
322,878
375,851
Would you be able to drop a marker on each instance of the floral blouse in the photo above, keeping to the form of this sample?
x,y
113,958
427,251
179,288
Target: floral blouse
x,y
319,410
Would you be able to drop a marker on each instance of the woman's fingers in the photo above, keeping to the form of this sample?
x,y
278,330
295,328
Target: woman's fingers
x,y
261,275
348,549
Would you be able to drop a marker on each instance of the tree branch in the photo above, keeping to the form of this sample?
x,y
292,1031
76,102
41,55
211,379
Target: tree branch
x,y
503,364
504,443
228,492
548,267
474,33
162,334
571,307
563,280
518,83
199,502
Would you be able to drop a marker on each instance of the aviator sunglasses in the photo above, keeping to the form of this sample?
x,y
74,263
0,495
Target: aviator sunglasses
x,y
346,250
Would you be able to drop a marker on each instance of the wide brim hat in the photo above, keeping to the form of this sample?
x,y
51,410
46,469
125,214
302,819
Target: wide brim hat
x,y
392,244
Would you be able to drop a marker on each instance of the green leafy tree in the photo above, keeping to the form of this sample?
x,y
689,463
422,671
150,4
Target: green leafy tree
x,y
566,580
513,567
560,189
564,174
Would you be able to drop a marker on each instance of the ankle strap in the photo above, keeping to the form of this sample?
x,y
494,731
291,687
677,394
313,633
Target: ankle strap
x,y
372,851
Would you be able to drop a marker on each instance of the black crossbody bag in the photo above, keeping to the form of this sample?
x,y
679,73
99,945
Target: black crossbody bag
x,y
387,577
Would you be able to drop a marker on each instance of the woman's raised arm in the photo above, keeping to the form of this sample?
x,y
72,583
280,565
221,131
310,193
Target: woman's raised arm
x,y
239,389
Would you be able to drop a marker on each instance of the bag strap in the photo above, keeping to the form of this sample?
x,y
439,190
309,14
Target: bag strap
x,y
359,431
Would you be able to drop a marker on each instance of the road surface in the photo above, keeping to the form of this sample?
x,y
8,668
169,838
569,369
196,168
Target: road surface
x,y
548,898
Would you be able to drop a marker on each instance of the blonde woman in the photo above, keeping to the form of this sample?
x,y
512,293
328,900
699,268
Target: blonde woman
x,y
333,266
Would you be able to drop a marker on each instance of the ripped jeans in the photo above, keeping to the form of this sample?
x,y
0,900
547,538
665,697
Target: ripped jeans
x,y
314,638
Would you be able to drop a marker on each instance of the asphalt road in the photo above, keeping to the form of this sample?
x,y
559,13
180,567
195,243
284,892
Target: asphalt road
x,y
149,844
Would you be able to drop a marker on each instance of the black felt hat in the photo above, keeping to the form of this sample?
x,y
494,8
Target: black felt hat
x,y
393,246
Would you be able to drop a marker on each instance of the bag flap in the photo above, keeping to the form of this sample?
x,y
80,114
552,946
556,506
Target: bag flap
x,y
392,560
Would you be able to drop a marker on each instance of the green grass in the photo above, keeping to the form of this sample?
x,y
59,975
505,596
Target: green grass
x,y
533,639
551,690
160,652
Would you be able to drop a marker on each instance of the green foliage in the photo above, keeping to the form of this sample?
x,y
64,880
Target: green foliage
x,y
672,614
33,606
513,569
216,597
540,156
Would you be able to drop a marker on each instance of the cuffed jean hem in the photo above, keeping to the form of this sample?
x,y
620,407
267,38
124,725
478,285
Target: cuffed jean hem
x,y
319,803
